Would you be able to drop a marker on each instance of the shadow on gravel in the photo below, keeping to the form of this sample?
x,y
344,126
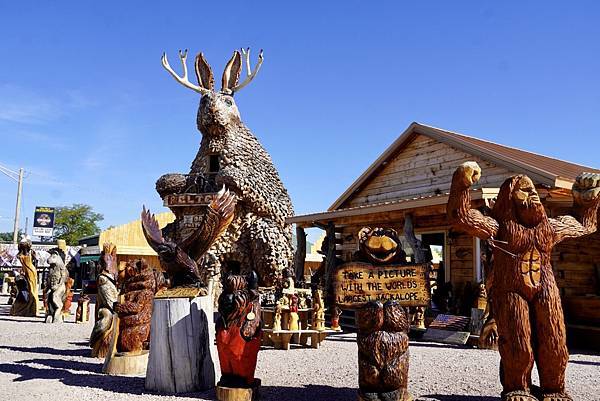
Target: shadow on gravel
x,y
56,371
309,392
441,397
47,350
585,363
62,364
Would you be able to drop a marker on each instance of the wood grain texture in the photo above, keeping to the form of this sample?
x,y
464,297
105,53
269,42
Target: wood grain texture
x,y
182,352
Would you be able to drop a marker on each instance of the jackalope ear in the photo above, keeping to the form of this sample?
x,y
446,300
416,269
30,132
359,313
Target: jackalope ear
x,y
231,74
204,73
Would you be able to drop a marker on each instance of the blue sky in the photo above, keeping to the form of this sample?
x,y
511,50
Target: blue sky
x,y
87,109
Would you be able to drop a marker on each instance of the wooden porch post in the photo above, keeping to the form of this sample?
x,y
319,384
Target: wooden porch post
x,y
300,255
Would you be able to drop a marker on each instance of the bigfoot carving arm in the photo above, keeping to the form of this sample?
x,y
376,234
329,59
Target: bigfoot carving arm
x,y
586,198
459,210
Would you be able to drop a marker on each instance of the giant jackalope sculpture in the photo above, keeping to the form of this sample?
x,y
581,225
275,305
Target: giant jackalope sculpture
x,y
524,294
258,238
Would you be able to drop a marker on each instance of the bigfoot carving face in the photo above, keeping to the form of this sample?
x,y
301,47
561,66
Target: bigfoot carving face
x,y
530,211
379,244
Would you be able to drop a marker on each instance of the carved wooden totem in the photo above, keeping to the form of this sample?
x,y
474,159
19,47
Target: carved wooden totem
x,y
26,301
238,330
258,238
382,352
55,287
105,301
134,309
383,356
524,293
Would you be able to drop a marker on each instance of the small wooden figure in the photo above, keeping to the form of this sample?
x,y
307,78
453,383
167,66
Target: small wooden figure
x,y
294,318
68,297
82,314
55,287
335,318
419,317
524,294
238,334
318,314
277,318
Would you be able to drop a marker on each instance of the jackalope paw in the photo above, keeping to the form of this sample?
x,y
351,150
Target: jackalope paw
x,y
468,173
586,187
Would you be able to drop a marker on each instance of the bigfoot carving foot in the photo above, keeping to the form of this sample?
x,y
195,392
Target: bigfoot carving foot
x,y
557,397
518,396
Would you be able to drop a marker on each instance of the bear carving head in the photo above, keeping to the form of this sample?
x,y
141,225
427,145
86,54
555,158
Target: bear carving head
x,y
380,245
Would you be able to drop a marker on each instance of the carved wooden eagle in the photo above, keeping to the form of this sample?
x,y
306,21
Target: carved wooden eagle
x,y
178,259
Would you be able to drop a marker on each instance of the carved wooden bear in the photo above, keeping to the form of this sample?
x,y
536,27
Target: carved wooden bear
x,y
525,297
383,355
140,283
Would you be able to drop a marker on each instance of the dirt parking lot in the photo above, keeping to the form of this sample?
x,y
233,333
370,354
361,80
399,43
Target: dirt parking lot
x,y
50,362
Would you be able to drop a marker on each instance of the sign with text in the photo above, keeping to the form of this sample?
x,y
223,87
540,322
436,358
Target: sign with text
x,y
356,283
43,221
188,199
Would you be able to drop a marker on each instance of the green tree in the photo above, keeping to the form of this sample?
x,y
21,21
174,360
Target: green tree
x,y
8,236
74,222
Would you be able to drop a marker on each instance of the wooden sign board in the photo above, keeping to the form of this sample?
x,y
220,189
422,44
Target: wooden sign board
x,y
356,283
179,200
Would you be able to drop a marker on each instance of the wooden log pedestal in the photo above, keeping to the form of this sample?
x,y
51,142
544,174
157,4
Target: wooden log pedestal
x,y
126,364
239,394
183,354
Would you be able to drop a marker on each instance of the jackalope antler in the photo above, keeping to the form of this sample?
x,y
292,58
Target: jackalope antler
x,y
205,87
184,79
249,73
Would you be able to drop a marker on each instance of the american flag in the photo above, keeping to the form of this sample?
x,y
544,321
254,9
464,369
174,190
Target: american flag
x,y
450,322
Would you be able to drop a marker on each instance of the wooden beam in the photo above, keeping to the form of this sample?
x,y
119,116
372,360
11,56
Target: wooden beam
x,y
300,255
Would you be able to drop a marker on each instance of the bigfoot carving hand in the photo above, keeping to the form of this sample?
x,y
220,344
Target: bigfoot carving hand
x,y
468,173
586,188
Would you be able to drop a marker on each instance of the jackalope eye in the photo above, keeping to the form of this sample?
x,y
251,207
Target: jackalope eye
x,y
228,102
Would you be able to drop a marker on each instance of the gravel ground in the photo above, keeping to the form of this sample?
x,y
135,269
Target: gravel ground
x,y
46,362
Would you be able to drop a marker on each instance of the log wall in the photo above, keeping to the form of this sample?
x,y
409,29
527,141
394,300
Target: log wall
x,y
575,262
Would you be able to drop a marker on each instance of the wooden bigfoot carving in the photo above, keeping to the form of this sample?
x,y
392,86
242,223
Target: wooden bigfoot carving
x,y
382,352
524,293
238,330
140,283
258,238
105,301
55,287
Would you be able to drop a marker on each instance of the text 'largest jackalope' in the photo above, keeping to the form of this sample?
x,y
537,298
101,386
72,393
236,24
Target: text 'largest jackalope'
x,y
230,155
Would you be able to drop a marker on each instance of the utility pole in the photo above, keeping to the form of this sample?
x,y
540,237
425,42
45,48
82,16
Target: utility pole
x,y
18,177
18,208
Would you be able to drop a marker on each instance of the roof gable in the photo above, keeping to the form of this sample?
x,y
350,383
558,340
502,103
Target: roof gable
x,y
497,161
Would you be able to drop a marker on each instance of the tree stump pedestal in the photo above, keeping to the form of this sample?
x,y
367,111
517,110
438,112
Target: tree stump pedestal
x,y
239,394
183,354
127,364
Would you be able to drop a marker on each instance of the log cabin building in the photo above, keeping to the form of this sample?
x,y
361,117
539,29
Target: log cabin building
x,y
412,178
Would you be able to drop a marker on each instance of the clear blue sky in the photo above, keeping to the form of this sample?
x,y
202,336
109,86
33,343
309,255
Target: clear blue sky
x,y
86,107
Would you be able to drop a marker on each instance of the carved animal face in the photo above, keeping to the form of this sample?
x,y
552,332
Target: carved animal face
x,y
216,113
530,211
379,244
55,261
